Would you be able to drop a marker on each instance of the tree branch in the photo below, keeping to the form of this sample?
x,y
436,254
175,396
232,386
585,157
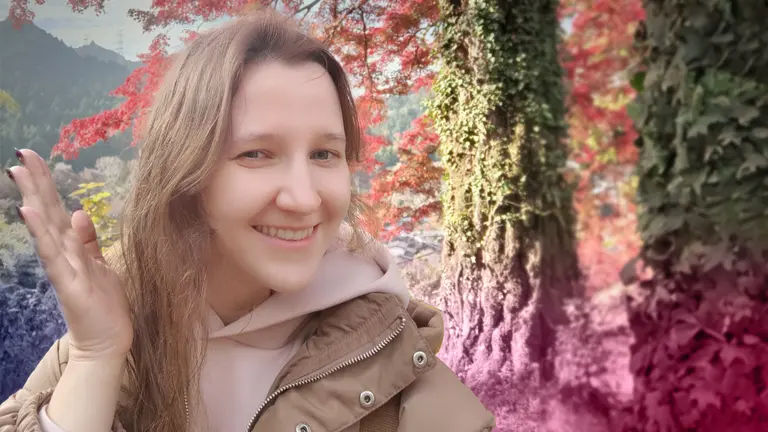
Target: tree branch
x,y
365,48
307,7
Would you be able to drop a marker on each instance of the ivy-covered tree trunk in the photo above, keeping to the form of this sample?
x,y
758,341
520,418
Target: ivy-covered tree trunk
x,y
700,360
509,255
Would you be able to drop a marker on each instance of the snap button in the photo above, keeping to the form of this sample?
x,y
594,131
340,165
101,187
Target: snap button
x,y
419,359
367,399
303,427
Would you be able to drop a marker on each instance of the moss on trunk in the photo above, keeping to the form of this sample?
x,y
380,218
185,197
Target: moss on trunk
x,y
509,255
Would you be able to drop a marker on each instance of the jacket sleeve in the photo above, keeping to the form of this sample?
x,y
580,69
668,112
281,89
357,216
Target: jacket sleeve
x,y
438,400
20,412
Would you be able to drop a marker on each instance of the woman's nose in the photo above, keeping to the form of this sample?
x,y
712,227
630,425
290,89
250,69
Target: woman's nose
x,y
298,193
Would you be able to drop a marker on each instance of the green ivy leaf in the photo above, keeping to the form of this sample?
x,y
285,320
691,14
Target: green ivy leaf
x,y
718,255
663,224
760,133
745,114
637,81
722,38
701,126
751,165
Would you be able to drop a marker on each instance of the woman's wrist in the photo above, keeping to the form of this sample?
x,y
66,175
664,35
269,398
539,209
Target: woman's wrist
x,y
85,398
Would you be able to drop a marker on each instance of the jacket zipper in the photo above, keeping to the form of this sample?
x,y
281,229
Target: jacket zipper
x,y
356,359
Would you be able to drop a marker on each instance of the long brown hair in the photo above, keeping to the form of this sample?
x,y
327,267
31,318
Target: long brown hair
x,y
165,239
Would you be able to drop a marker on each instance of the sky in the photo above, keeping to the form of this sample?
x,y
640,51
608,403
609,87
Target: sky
x,y
75,29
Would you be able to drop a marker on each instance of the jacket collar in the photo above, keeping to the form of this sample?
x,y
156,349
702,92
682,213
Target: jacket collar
x,y
369,344
358,326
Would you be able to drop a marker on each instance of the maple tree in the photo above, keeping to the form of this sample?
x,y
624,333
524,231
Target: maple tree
x,y
375,38
385,46
416,177
596,55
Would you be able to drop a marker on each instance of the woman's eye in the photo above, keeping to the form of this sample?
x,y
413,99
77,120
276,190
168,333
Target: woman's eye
x,y
253,154
323,154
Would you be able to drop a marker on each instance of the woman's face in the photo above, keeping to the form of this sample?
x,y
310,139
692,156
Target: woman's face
x,y
282,186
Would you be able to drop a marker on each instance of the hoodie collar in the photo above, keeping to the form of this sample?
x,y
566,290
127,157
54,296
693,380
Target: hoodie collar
x,y
341,277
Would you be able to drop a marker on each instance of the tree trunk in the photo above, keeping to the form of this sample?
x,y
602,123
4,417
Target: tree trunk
x,y
509,256
700,356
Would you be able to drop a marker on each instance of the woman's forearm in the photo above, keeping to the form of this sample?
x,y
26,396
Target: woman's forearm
x,y
85,398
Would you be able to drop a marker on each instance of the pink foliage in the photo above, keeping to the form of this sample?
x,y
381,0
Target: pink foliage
x,y
592,358
700,361
592,386
601,263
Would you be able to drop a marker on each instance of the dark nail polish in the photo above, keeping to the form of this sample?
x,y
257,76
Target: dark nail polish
x,y
10,174
18,211
19,156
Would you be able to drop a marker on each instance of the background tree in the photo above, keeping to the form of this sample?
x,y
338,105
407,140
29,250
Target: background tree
x,y
53,84
385,46
596,55
7,102
377,37
700,353
509,253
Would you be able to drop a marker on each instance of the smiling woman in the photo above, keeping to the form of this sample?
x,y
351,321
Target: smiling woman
x,y
282,188
239,297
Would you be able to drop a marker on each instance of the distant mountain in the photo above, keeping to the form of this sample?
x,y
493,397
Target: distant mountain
x,y
54,84
96,51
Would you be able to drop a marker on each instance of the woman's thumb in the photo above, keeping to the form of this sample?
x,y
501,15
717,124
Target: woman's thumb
x,y
85,230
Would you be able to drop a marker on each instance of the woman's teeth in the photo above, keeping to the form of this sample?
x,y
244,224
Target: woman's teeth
x,y
285,234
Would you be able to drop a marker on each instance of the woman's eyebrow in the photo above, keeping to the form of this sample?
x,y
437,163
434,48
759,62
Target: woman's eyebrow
x,y
332,136
251,137
256,136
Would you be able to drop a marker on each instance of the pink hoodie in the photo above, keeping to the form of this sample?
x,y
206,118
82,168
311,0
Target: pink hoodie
x,y
243,358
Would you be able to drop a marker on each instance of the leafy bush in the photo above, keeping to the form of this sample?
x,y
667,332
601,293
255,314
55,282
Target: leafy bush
x,y
99,208
30,319
14,245
30,322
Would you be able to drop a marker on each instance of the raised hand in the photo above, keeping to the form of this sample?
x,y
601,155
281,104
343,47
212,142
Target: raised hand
x,y
91,294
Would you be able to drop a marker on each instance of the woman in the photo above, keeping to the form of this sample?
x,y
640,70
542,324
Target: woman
x,y
239,302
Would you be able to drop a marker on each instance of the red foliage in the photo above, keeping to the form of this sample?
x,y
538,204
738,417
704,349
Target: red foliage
x,y
596,55
700,357
603,253
416,175
137,89
385,46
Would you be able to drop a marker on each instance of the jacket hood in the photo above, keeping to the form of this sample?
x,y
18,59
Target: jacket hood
x,y
341,276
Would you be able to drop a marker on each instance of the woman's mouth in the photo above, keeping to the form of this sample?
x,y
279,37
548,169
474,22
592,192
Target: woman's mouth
x,y
293,235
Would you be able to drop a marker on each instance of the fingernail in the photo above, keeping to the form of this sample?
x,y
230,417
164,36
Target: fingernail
x,y
10,174
19,156
18,211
